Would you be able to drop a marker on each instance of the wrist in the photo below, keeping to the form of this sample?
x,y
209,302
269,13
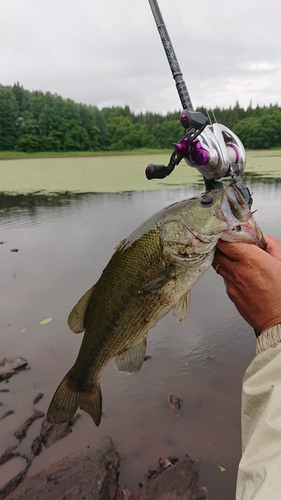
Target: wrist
x,y
269,338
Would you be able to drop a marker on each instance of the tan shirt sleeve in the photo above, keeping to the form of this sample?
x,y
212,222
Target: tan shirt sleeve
x,y
259,474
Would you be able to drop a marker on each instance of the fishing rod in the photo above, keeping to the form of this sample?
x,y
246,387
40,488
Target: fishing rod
x,y
213,149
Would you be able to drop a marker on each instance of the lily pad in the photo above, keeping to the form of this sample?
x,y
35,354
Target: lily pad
x,y
45,321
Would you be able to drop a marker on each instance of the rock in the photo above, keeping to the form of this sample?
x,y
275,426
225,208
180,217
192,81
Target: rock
x,y
50,433
18,478
90,475
8,454
21,432
10,366
36,446
176,482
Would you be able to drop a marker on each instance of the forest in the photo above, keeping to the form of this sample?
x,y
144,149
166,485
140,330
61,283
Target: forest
x,y
33,121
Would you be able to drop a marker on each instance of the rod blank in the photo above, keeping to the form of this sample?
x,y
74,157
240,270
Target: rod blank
x,y
171,56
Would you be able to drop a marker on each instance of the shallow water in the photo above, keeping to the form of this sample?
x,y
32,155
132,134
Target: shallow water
x,y
64,243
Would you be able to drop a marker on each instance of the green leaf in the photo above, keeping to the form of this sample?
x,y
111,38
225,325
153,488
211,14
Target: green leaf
x,y
222,469
45,321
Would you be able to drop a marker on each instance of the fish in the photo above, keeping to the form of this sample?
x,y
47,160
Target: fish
x,y
150,273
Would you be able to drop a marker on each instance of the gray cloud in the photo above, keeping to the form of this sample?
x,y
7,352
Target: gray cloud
x,y
108,52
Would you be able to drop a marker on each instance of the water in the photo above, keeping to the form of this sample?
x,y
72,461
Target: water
x,y
63,243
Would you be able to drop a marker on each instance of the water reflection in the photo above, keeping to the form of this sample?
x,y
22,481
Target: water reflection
x,y
256,177
64,243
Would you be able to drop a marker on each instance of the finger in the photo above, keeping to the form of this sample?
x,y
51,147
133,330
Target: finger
x,y
239,251
223,261
223,273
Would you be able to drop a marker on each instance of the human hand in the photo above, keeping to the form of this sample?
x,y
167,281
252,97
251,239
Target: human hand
x,y
253,280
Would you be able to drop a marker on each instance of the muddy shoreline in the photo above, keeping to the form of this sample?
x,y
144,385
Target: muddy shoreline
x,y
180,477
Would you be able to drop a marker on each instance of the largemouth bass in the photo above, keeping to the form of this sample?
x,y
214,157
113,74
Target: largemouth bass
x,y
150,273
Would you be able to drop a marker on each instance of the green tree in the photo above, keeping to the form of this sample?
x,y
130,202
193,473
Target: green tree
x,y
76,137
9,112
128,135
28,133
262,131
95,137
167,133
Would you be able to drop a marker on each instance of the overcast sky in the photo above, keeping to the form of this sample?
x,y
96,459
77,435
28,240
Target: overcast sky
x,y
109,53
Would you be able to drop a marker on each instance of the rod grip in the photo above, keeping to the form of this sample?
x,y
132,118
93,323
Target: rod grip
x,y
156,171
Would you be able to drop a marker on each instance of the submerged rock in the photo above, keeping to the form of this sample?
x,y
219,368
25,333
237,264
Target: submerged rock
x,y
50,433
92,474
38,397
7,413
21,432
10,366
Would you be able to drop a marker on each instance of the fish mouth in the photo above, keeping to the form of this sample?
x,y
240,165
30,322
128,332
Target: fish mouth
x,y
189,258
190,254
241,223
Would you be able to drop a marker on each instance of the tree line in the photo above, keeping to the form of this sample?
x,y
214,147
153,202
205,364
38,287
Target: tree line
x,y
37,121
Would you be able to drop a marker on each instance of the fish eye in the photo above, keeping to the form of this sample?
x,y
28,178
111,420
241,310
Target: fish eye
x,y
206,199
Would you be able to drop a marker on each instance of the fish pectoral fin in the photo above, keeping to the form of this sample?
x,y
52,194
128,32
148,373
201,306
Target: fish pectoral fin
x,y
76,317
132,359
159,279
181,308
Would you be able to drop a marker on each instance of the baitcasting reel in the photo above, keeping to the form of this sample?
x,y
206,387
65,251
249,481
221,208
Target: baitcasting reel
x,y
214,150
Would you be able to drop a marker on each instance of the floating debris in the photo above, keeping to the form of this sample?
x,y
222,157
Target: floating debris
x,y
175,401
45,321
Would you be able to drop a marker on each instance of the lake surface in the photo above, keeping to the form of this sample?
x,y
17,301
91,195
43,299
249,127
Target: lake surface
x,y
64,241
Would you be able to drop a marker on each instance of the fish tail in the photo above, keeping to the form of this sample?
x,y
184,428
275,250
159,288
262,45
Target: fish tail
x,y
91,402
68,397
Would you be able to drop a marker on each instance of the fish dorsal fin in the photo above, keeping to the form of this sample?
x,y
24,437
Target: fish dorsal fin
x,y
181,308
76,317
120,244
132,359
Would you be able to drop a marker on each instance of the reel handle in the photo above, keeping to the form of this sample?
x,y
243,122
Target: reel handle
x,y
156,171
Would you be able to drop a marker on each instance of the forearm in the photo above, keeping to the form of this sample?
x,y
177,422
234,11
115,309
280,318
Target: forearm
x,y
259,475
